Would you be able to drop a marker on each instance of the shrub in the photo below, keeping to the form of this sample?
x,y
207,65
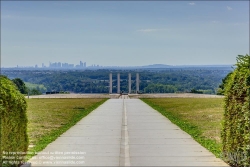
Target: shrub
x,y
13,123
196,91
236,126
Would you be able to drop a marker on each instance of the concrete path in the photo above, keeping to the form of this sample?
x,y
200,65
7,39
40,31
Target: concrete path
x,y
125,132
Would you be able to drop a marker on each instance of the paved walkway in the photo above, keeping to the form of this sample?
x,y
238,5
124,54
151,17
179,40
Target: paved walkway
x,y
125,132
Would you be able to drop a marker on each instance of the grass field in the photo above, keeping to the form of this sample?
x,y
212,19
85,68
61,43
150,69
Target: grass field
x,y
200,117
49,118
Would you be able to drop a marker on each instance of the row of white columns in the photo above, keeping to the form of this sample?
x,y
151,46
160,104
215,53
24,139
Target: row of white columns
x,y
118,83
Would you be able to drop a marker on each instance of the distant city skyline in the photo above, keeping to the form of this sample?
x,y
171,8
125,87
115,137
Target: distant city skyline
x,y
124,33
59,64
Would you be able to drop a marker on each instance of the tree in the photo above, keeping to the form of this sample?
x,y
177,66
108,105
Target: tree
x,y
20,85
34,92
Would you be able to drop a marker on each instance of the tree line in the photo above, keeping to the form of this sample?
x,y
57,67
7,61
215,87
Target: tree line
x,y
24,89
151,81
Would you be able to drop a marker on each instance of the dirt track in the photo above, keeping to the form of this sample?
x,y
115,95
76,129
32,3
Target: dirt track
x,y
132,96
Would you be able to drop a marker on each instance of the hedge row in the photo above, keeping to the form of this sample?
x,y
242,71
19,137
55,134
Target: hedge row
x,y
236,125
13,124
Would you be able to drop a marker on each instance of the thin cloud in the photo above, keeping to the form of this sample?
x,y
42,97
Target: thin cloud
x,y
191,3
150,30
241,24
9,17
215,21
229,8
16,17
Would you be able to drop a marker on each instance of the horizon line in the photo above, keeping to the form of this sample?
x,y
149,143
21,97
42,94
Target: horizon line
x,y
116,66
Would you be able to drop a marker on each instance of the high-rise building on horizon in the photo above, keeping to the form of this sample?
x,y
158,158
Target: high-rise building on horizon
x,y
81,65
55,65
67,65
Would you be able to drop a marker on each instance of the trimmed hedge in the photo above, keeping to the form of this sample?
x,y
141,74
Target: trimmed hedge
x,y
236,125
13,123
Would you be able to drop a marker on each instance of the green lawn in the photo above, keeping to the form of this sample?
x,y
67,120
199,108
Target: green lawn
x,y
200,117
49,118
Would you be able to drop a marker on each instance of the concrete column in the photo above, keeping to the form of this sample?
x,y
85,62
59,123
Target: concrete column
x,y
129,83
110,83
118,83
137,82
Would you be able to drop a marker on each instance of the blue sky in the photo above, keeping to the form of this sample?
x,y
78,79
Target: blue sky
x,y
123,33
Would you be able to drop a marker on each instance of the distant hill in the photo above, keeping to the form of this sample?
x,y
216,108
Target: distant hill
x,y
184,66
157,66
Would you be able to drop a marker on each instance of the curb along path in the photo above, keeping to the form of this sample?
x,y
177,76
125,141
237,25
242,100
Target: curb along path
x,y
125,132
